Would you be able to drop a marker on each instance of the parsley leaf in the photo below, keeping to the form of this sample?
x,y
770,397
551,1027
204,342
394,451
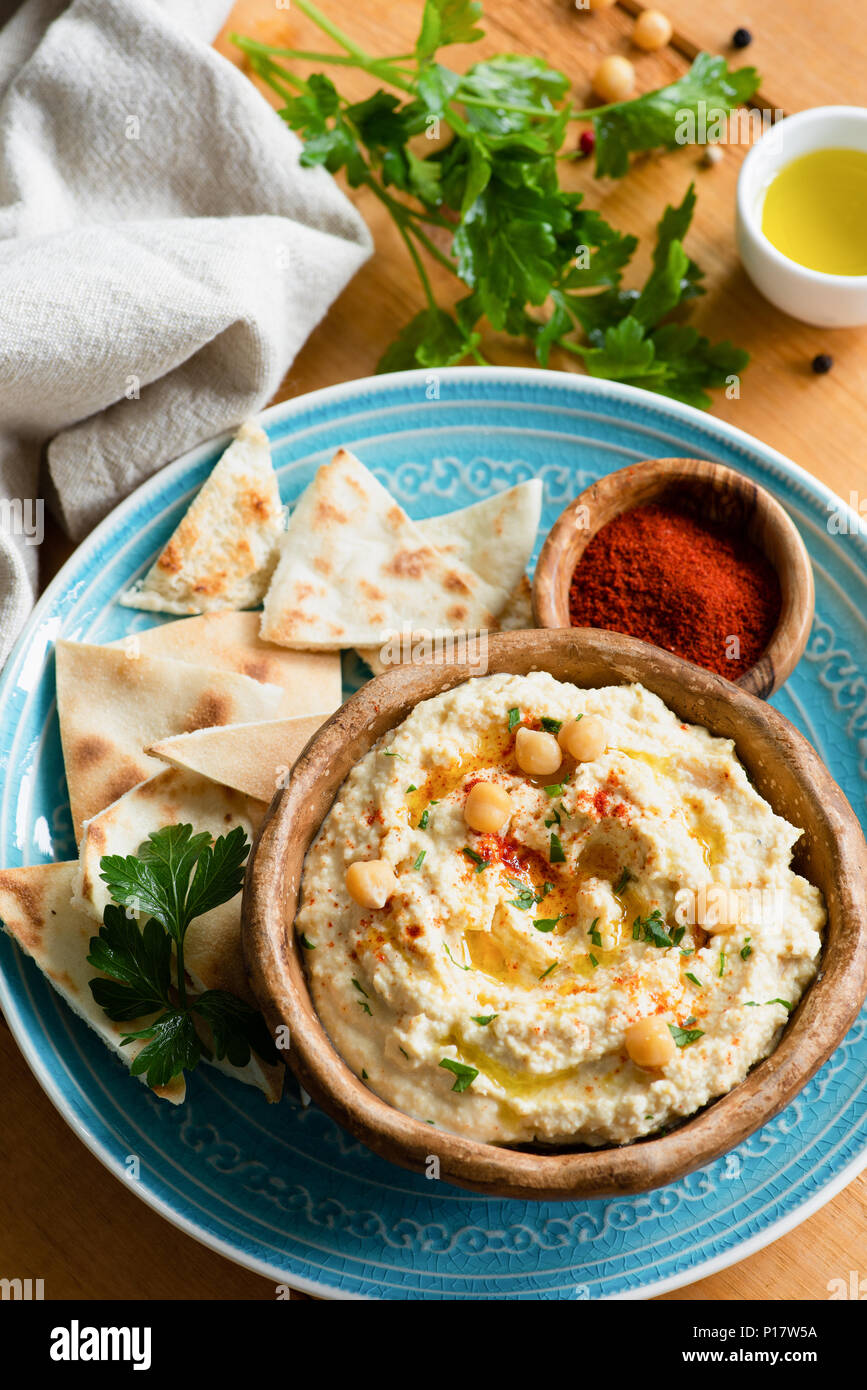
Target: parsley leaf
x,y
546,924
483,1019
655,120
480,863
176,877
514,717
525,248
626,876
652,929
684,1037
556,854
464,1075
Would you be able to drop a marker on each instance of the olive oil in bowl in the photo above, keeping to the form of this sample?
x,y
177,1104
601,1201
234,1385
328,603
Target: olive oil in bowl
x,y
815,211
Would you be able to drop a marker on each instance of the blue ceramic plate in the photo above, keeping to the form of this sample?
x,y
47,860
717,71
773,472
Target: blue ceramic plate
x,y
281,1188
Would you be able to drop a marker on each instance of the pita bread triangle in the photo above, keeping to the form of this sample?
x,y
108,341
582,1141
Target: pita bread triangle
x,y
224,550
230,641
36,911
495,538
213,957
353,568
112,705
252,758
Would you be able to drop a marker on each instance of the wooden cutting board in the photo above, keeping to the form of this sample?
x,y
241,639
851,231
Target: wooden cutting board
x,y
62,1217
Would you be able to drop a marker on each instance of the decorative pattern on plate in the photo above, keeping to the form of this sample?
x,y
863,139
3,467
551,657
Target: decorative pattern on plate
x,y
282,1188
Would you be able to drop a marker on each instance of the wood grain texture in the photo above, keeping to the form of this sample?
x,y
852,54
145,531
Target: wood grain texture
x,y
716,493
66,1217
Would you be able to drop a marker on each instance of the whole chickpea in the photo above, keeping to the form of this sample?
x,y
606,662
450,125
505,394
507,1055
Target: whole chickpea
x,y
371,882
652,30
538,753
650,1044
487,808
614,79
584,738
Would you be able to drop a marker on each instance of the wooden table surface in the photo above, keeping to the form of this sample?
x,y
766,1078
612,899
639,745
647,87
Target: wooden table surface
x,y
62,1217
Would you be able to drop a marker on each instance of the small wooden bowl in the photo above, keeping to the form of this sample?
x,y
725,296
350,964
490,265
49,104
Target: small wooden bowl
x,y
723,495
784,768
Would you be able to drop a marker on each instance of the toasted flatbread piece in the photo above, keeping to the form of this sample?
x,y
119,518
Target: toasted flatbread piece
x,y
495,538
252,758
212,949
112,705
230,642
224,551
36,910
353,568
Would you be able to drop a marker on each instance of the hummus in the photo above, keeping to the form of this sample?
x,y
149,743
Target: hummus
x,y
494,993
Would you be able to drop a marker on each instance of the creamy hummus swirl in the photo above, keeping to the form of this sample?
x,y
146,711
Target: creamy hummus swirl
x,y
494,993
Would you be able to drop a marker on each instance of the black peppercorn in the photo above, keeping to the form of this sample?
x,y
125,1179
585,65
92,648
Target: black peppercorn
x,y
741,38
822,363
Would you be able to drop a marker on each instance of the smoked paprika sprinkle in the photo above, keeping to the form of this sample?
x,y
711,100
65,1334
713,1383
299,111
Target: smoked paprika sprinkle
x,y
694,587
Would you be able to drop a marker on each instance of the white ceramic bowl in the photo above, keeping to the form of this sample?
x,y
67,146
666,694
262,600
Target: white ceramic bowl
x,y
831,301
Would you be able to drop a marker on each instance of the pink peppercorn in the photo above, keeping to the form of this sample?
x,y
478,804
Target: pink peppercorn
x,y
587,142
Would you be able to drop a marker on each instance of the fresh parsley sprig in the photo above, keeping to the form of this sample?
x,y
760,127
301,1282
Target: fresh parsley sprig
x,y
176,877
486,202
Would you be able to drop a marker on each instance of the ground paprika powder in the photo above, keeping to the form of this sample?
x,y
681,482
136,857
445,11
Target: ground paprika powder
x,y
692,586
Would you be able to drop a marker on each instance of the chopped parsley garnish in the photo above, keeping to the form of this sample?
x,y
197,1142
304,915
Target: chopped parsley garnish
x,y
391,753
746,949
483,1019
722,964
754,1004
551,967
526,897
457,962
685,1036
420,859
412,788
546,924
525,900
307,943
554,820
593,961
551,726
364,1075
424,818
556,854
695,980
594,934
555,789
625,876
678,936
514,717
361,1002
404,1051
480,863
464,1075
651,929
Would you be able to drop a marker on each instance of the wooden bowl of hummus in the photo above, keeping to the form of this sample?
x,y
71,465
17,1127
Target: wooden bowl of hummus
x,y
568,981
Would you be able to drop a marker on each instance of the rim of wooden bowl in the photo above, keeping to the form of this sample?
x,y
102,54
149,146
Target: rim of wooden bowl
x,y
732,496
783,765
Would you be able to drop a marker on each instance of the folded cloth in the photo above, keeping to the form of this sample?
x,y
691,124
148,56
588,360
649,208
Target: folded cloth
x,y
163,256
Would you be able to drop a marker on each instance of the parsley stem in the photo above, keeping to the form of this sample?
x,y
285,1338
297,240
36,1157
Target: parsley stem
x,y
182,981
405,232
325,24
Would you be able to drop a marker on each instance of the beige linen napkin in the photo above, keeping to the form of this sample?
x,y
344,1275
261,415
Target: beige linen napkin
x,y
163,256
